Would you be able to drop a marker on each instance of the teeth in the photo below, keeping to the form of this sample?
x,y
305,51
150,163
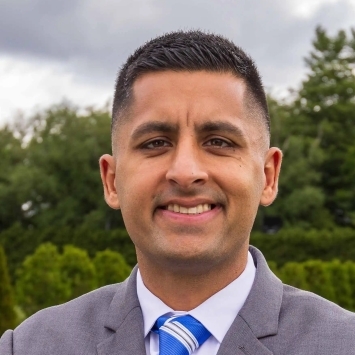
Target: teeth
x,y
203,207
184,210
192,210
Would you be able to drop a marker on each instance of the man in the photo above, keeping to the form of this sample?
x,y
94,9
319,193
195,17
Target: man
x,y
191,164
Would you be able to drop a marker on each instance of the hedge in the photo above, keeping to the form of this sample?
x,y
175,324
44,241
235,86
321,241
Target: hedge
x,y
285,246
332,280
298,245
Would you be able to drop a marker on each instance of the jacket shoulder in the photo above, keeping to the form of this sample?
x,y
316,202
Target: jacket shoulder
x,y
81,319
6,343
313,309
314,324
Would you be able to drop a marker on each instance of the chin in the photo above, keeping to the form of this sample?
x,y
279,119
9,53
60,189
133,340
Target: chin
x,y
189,261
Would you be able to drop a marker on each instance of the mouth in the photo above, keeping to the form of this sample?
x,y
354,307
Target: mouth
x,y
192,210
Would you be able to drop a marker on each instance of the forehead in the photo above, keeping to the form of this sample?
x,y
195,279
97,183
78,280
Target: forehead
x,y
188,99
187,92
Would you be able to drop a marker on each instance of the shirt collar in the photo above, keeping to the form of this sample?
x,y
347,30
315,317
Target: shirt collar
x,y
217,313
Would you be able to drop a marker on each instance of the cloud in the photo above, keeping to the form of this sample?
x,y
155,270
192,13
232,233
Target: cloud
x,y
28,86
92,39
104,33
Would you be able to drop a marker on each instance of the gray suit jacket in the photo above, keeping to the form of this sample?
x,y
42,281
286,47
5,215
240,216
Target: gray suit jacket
x,y
275,319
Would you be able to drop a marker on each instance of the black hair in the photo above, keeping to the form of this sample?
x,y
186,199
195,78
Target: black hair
x,y
189,51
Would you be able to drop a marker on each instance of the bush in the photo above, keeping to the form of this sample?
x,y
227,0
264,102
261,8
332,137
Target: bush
x,y
40,283
340,279
294,274
111,267
77,271
48,278
20,243
318,278
299,245
350,267
7,313
332,280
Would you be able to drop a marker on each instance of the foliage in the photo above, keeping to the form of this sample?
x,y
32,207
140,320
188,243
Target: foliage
x,y
325,106
39,283
289,244
111,267
350,269
12,158
47,277
300,200
294,274
7,312
319,279
273,267
295,244
50,175
77,270
315,128
340,280
19,242
332,280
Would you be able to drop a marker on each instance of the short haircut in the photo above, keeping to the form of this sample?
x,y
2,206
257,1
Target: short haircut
x,y
190,51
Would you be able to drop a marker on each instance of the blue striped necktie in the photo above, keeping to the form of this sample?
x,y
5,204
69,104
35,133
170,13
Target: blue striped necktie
x,y
180,335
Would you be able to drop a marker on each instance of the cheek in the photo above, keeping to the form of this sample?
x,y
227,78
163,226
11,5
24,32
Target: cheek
x,y
136,186
244,185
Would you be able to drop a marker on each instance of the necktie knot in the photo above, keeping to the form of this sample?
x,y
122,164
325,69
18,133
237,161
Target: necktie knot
x,y
180,335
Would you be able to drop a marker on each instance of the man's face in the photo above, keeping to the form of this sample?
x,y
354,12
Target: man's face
x,y
191,167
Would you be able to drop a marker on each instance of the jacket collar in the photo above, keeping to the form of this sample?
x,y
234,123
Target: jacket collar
x,y
258,317
125,321
262,308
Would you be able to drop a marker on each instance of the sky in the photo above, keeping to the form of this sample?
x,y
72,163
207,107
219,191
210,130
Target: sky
x,y
71,50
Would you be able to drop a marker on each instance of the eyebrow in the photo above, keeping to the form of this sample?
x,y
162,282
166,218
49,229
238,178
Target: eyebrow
x,y
220,126
154,127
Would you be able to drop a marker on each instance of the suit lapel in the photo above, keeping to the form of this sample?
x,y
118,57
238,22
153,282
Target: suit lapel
x,y
125,322
240,340
259,317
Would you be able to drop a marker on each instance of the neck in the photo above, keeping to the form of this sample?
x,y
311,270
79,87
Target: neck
x,y
184,290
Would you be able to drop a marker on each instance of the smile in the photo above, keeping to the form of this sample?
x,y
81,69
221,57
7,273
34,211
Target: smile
x,y
198,209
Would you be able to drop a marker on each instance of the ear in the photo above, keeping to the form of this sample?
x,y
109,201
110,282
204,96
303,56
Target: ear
x,y
272,171
108,173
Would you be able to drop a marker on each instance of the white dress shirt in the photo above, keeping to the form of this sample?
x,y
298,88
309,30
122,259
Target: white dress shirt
x,y
217,313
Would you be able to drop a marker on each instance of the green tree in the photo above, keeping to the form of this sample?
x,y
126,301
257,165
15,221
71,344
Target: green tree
x,y
319,279
341,282
325,110
301,201
350,270
65,149
77,270
294,274
12,157
111,267
40,283
273,267
50,174
7,313
315,128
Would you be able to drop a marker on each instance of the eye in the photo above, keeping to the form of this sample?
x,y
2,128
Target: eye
x,y
156,143
218,142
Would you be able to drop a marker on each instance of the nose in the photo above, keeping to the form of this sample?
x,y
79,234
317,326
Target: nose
x,y
186,168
